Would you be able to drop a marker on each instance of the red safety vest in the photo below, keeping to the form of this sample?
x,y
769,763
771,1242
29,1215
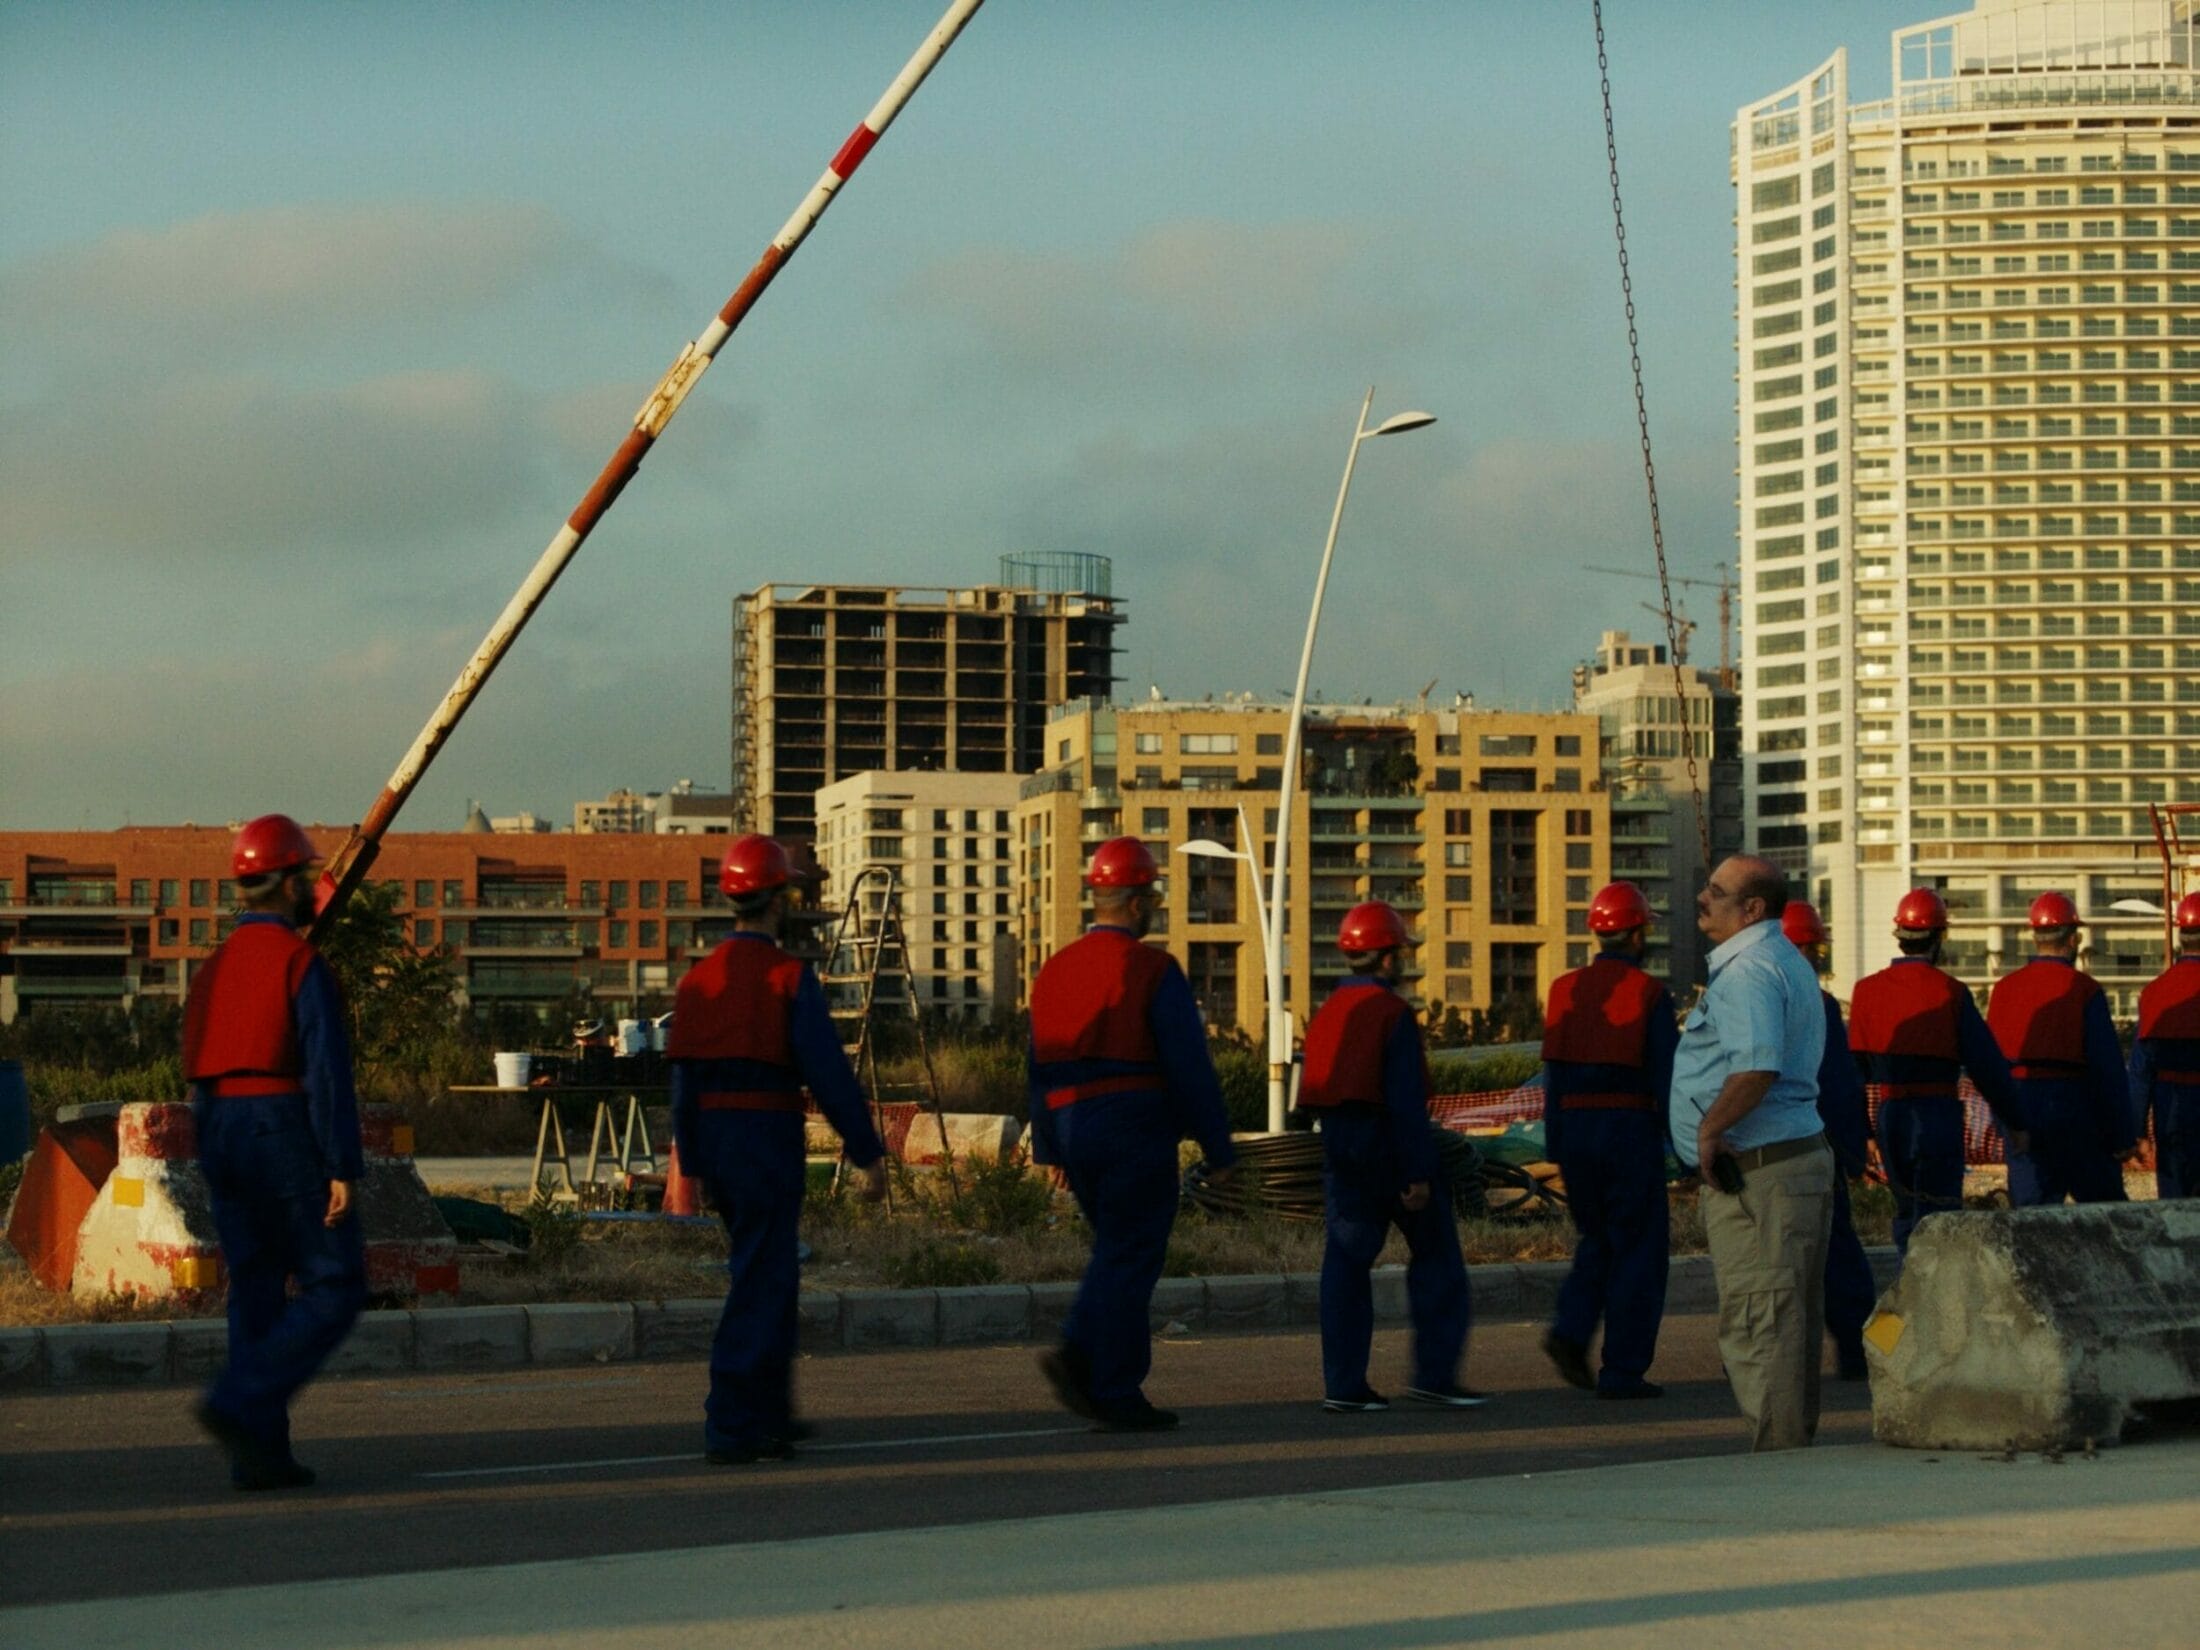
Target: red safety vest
x,y
237,1022
2169,1007
2037,1015
737,1004
1344,1047
1093,1001
1600,1015
1907,1008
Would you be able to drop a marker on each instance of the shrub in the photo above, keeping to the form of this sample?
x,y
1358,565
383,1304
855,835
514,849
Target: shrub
x,y
553,1231
1481,1073
932,1263
1001,1198
1243,1072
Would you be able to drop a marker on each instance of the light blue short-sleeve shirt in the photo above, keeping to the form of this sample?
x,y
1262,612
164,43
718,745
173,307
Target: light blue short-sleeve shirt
x,y
1761,1012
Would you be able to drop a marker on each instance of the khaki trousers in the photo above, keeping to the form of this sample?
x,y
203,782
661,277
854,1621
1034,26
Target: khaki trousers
x,y
1768,1251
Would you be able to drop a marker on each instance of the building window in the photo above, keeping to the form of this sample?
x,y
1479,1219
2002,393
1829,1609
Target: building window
x,y
454,893
201,891
648,936
141,891
423,934
1267,744
1577,856
618,933
1457,822
1577,821
1146,744
1566,744
592,893
676,895
649,896
167,891
454,933
1459,890
618,898
1508,744
1207,744
1513,866
1154,821
198,930
1513,972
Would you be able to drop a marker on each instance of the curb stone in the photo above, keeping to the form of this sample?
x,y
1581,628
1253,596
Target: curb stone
x,y
853,1320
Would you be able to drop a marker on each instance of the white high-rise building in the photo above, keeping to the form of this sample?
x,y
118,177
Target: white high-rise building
x,y
1969,397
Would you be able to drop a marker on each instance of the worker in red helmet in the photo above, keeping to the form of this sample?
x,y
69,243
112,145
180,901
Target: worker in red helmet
x,y
1609,1031
1119,1074
751,1033
1914,1030
2165,1061
269,1065
1366,1079
1851,1291
2055,1030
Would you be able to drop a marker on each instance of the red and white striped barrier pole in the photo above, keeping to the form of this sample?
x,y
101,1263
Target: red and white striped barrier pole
x,y
350,865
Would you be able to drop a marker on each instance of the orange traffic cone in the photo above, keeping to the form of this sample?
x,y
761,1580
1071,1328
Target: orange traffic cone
x,y
683,1193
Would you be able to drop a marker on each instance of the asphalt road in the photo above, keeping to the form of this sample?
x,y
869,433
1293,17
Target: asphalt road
x,y
112,1494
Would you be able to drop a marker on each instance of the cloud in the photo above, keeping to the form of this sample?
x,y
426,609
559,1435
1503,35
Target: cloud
x,y
236,286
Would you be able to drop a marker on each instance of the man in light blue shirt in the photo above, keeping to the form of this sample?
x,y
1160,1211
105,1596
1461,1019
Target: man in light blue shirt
x,y
1745,1114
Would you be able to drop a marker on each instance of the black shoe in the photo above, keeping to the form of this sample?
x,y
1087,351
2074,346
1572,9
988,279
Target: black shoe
x,y
1571,1359
1144,1418
747,1455
287,1474
1448,1397
1065,1372
1631,1389
1367,1402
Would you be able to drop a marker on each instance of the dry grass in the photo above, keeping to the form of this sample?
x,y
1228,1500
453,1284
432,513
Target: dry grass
x,y
918,1242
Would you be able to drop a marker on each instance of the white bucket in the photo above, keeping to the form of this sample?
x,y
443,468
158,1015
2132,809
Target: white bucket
x,y
633,1038
659,1028
512,1070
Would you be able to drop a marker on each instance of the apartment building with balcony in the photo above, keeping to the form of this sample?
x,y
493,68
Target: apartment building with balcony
x,y
1488,830
1651,720
1968,320
834,680
947,838
104,918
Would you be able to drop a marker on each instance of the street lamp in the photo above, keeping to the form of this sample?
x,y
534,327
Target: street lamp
x,y
1279,1019
1207,848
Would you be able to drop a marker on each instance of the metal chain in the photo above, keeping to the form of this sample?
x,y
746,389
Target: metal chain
x,y
1649,465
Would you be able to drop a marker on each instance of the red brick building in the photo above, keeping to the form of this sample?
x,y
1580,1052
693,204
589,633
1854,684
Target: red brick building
x,y
105,917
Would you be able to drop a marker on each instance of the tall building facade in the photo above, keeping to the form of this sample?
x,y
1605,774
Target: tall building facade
x,y
946,837
1489,831
833,680
1969,394
1640,702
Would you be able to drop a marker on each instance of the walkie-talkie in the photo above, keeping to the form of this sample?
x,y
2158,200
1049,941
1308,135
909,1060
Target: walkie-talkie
x,y
1726,1173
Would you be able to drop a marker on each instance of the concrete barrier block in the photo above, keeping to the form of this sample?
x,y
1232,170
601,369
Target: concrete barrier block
x,y
197,1348
106,1354
817,1327
889,1317
1177,1300
580,1332
679,1329
378,1343
1050,1304
1390,1294
1302,1297
22,1358
470,1337
1494,1290
1539,1281
1253,1302
985,1312
2037,1328
1691,1285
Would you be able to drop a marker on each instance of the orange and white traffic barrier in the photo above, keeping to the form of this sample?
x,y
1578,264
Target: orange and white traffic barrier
x,y
149,1233
410,1249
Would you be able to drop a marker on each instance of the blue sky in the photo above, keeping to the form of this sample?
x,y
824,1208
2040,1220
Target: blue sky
x,y
316,320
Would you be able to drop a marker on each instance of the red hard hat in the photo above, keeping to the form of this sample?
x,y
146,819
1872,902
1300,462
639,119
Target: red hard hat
x,y
2053,910
271,844
754,864
1922,908
1122,862
1618,907
2188,911
1799,922
1372,926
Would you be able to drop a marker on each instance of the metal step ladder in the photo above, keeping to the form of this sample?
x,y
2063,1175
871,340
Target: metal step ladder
x,y
868,979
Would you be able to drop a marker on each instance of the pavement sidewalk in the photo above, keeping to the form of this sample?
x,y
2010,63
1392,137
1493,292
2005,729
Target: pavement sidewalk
x,y
1858,1546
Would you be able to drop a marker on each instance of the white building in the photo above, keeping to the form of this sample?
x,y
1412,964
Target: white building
x,y
946,836
1969,397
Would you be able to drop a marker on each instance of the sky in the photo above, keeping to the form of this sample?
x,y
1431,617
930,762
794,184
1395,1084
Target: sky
x,y
317,320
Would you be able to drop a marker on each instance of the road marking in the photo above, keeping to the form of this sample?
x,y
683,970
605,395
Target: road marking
x,y
806,1449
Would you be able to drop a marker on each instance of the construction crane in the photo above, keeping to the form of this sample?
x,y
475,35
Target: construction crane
x,y
1723,584
1683,628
